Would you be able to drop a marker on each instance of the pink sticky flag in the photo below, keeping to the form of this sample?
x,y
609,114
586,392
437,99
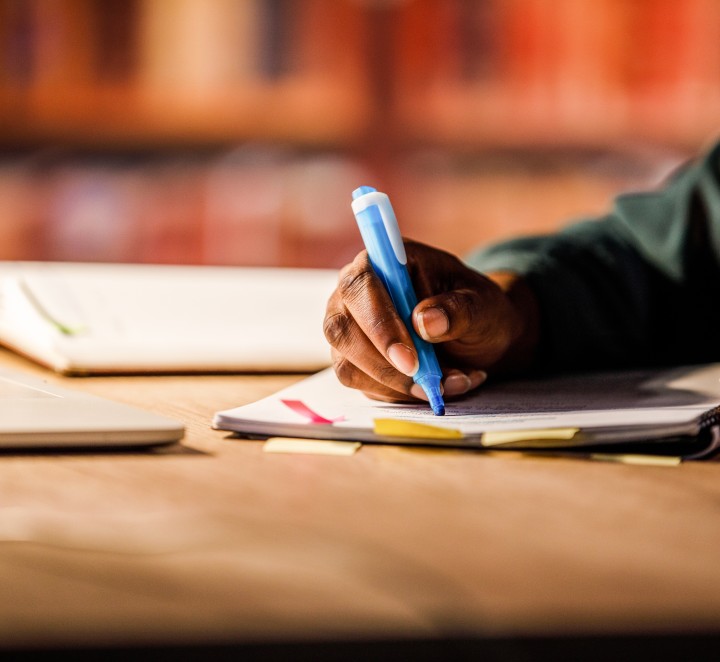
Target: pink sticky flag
x,y
301,408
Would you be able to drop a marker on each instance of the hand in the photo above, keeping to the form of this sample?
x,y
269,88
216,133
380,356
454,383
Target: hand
x,y
478,324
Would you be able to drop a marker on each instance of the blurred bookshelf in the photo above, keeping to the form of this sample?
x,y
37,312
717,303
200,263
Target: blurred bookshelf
x,y
106,73
233,131
543,73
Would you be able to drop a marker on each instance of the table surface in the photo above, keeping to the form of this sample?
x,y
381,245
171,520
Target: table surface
x,y
215,540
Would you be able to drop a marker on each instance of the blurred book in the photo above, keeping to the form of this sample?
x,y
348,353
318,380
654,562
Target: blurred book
x,y
194,48
80,318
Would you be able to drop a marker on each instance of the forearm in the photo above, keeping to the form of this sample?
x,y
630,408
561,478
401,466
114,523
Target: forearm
x,y
640,285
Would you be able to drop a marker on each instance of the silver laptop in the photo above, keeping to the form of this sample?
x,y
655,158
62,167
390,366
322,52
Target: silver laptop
x,y
35,414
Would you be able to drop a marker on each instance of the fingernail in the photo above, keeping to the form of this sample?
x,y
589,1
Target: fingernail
x,y
457,383
403,358
433,323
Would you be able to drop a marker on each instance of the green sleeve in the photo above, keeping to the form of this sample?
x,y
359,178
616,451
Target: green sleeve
x,y
639,286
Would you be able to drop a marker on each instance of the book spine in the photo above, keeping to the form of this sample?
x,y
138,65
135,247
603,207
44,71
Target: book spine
x,y
17,39
275,28
115,31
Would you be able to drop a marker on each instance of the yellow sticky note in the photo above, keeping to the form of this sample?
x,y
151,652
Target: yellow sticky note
x,y
310,446
631,458
544,437
393,427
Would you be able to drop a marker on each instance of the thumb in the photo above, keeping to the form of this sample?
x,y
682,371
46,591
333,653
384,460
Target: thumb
x,y
476,325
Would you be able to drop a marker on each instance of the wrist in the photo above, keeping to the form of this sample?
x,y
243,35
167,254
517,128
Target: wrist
x,y
522,350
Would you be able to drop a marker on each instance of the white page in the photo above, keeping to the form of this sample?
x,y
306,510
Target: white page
x,y
669,401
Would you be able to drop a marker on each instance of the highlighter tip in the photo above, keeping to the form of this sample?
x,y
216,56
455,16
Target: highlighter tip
x,y
437,405
430,383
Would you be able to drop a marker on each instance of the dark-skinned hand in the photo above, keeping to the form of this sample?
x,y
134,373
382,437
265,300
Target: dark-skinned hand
x,y
479,324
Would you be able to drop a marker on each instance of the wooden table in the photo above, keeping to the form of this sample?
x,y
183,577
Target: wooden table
x,y
215,546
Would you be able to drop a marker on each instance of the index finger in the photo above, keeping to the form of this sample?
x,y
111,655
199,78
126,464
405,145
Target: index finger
x,y
371,307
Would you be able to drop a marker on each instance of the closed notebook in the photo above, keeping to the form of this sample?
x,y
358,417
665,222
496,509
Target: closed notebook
x,y
669,412
110,318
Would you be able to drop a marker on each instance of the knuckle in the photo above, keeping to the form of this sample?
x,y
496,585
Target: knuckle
x,y
336,328
463,309
382,323
345,372
354,283
456,301
358,290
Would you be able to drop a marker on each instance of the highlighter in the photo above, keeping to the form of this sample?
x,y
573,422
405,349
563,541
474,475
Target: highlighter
x,y
381,236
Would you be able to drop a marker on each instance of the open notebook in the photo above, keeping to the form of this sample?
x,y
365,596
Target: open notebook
x,y
36,414
670,412
106,318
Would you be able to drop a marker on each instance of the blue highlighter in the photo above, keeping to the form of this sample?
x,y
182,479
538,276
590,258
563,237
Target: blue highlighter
x,y
381,235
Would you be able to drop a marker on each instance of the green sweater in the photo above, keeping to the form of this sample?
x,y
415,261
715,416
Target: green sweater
x,y
640,286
